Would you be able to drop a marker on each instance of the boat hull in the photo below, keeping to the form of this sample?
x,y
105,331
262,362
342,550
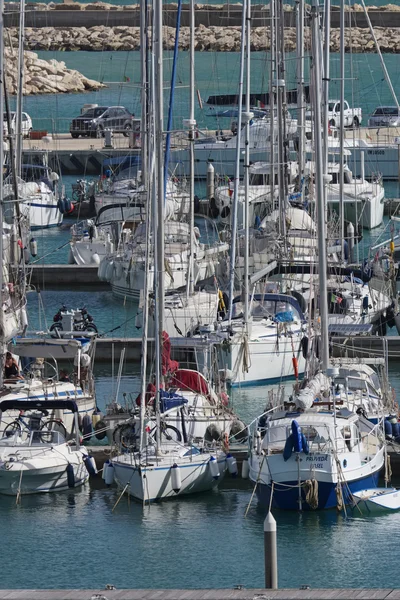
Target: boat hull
x,y
149,484
34,481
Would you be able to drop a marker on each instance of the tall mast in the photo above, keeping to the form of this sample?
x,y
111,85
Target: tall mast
x,y
192,125
160,198
319,185
246,169
325,121
144,89
20,92
237,170
280,85
341,148
272,84
300,83
2,341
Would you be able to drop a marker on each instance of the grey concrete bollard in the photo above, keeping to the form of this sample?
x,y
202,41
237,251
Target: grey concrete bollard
x,y
270,553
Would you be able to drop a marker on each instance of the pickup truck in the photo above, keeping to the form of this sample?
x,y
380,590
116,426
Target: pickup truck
x,y
352,116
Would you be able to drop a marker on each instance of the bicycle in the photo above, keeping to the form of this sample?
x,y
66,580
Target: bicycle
x,y
126,435
34,422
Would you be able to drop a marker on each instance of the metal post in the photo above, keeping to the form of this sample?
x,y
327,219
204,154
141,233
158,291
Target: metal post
x,y
144,90
326,94
192,125
300,83
20,91
270,553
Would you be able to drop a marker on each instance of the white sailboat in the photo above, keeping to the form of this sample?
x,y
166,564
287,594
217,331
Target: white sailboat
x,y
35,457
162,468
310,454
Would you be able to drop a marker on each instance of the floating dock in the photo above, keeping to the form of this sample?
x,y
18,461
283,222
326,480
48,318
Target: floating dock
x,y
60,277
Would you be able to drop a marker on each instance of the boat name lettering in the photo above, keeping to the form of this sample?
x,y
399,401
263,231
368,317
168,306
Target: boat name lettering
x,y
316,458
381,152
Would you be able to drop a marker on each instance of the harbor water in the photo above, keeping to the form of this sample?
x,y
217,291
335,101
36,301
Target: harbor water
x,y
76,540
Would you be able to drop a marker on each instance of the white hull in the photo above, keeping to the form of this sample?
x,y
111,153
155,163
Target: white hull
x,y
382,160
269,361
378,499
89,253
148,484
42,212
16,480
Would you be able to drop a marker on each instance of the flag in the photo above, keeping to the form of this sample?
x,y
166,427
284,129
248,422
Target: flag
x,y
260,104
126,78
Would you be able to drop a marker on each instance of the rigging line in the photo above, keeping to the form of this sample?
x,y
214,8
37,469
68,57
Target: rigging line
x,y
50,252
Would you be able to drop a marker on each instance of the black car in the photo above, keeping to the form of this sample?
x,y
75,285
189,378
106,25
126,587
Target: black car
x,y
94,121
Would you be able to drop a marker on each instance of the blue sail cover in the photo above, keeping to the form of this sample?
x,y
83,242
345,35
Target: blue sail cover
x,y
170,400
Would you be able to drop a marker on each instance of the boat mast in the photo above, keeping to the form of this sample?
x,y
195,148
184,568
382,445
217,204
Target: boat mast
x,y
159,268
281,105
341,147
144,90
272,83
192,124
385,71
20,92
319,184
300,85
2,76
246,173
327,37
234,225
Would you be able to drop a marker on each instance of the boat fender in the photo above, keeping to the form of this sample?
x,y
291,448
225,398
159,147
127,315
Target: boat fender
x,y
90,465
27,255
85,361
176,479
101,271
109,474
105,467
232,465
390,317
388,428
297,439
67,205
95,259
245,469
87,428
304,346
258,442
119,271
214,469
395,429
100,429
365,303
96,416
295,367
33,247
213,208
61,206
109,270
288,449
70,476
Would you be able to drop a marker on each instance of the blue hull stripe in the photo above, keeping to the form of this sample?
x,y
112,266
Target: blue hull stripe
x,y
288,498
236,384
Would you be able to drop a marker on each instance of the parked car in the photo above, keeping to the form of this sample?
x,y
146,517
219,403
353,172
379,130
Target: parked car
x,y
352,116
26,123
94,121
385,116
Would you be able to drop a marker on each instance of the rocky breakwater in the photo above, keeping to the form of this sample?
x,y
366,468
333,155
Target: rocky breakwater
x,y
45,77
212,38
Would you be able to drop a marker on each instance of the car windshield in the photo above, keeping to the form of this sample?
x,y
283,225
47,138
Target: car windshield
x,y
331,105
95,112
390,110
5,116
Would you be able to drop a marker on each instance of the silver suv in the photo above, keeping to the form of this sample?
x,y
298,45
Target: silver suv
x,y
385,116
94,121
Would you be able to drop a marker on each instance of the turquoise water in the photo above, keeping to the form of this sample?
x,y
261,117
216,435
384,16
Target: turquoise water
x,y
74,540
216,73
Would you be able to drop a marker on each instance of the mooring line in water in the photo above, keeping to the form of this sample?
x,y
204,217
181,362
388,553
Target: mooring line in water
x,y
122,493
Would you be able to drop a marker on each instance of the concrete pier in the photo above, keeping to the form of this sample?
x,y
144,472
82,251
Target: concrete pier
x,y
237,593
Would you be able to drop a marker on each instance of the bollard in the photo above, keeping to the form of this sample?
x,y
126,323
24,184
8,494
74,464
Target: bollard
x,y
270,553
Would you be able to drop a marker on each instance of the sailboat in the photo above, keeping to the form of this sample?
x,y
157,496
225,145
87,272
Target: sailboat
x,y
162,468
311,453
